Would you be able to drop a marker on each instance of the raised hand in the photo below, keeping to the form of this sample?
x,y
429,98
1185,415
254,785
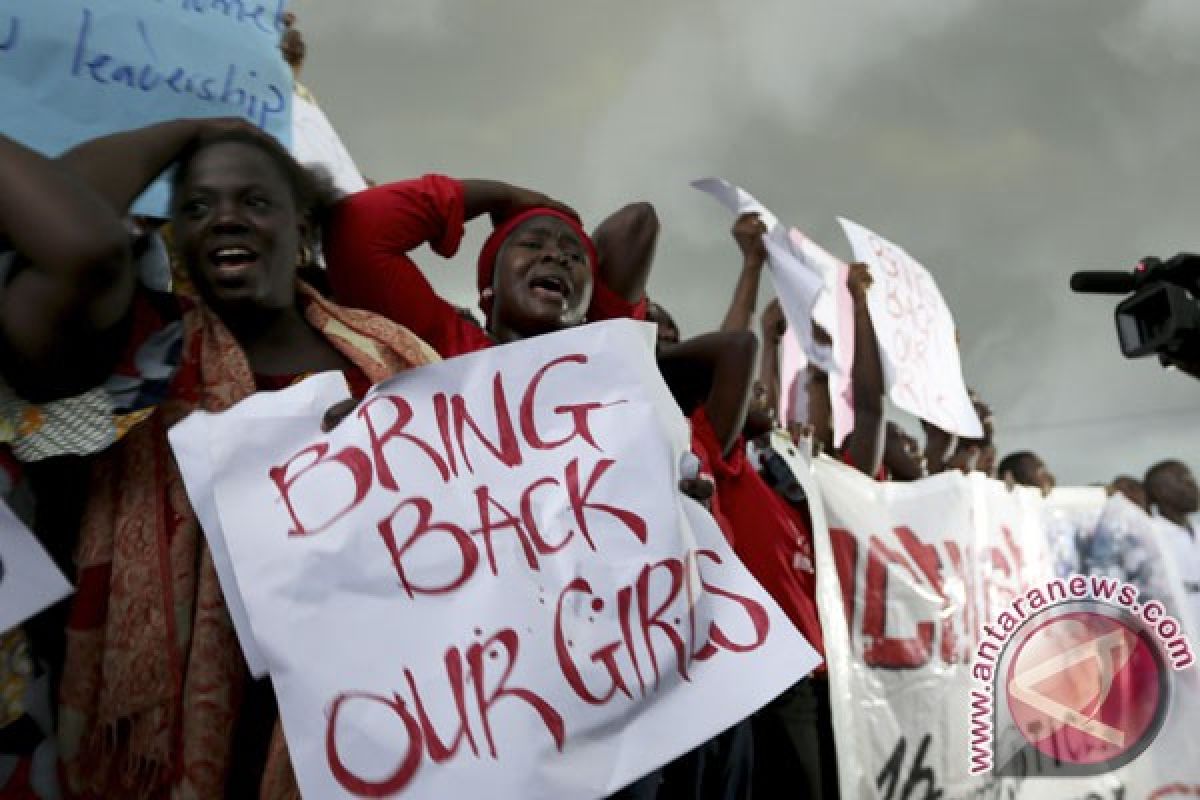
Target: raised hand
x,y
748,231
859,281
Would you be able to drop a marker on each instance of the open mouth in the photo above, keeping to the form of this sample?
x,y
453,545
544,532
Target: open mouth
x,y
553,286
232,262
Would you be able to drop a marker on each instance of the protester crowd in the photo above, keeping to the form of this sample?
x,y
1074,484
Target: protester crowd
x,y
115,327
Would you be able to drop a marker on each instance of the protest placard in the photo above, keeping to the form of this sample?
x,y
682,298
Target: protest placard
x,y
914,583
811,284
917,336
485,580
29,580
71,70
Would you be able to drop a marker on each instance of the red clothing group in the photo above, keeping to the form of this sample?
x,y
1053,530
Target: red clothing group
x,y
367,249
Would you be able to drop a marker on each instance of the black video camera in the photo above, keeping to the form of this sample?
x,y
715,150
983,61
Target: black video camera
x,y
1163,314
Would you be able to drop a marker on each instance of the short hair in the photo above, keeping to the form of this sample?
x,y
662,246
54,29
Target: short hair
x,y
1158,470
1014,462
312,188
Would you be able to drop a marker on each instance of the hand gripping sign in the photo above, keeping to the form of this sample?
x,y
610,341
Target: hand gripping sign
x,y
485,580
811,284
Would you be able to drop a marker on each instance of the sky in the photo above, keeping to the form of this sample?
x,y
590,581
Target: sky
x,y
1003,144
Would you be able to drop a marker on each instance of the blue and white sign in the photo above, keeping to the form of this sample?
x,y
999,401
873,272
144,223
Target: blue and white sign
x,y
71,70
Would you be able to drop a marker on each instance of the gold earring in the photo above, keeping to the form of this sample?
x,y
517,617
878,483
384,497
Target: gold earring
x,y
305,257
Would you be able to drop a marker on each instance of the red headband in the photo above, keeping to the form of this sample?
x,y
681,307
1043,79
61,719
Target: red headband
x,y
491,248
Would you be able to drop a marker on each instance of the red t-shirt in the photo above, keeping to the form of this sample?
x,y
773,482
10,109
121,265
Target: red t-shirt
x,y
772,538
367,246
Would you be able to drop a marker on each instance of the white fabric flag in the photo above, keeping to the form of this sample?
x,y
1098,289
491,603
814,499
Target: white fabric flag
x,y
485,580
29,580
917,336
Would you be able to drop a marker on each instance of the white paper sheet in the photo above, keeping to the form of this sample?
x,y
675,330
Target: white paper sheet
x,y
190,440
917,335
29,580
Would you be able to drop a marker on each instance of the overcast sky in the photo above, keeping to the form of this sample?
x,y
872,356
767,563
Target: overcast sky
x,y
1004,144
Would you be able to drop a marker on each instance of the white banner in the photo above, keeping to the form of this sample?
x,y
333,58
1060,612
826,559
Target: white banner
x,y
29,580
485,580
917,337
914,579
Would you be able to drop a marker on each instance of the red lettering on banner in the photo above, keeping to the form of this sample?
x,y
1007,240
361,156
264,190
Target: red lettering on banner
x,y
404,773
638,613
578,412
439,751
931,571
925,556
648,621
960,565
351,459
530,522
884,650
507,640
845,558
581,502
487,526
427,527
421,739
605,655
753,611
508,451
404,416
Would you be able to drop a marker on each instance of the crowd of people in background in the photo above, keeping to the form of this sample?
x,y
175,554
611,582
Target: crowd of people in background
x,y
114,327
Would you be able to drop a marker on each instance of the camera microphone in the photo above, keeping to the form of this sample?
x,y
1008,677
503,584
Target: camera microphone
x,y
1104,282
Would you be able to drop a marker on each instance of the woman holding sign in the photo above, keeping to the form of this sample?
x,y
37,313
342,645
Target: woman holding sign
x,y
154,687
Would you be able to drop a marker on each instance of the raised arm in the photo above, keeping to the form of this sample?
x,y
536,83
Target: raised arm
x,y
726,361
626,241
71,283
864,445
120,166
774,326
747,231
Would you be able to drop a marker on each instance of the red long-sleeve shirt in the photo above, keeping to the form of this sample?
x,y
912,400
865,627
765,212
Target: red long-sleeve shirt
x,y
367,248
772,539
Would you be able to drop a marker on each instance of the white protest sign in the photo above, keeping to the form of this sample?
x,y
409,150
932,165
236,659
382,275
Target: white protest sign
x,y
190,443
486,581
314,141
917,336
72,70
29,580
800,280
910,576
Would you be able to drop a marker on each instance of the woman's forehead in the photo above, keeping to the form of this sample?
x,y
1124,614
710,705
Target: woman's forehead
x,y
233,163
548,226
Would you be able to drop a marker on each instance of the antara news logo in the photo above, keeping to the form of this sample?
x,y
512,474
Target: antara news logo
x,y
1073,679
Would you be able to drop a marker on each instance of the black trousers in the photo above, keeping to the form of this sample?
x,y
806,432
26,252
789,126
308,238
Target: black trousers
x,y
793,745
720,769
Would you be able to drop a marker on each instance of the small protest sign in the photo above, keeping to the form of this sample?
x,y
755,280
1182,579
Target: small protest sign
x,y
917,336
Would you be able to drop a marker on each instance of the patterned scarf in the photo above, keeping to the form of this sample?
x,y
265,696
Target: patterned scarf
x,y
154,675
